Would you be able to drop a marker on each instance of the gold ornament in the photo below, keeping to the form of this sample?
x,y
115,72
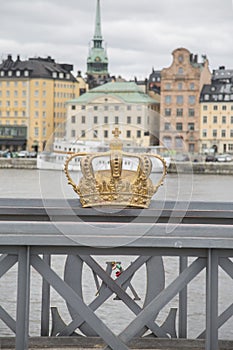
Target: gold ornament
x,y
115,186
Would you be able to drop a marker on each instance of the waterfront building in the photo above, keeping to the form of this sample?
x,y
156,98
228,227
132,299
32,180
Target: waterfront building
x,y
97,61
94,115
33,93
181,84
216,122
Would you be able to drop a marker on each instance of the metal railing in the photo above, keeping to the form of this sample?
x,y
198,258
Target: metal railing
x,y
198,234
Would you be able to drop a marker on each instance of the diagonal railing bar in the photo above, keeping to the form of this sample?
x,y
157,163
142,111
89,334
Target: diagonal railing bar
x,y
7,319
227,265
105,294
6,263
162,299
77,303
223,318
132,305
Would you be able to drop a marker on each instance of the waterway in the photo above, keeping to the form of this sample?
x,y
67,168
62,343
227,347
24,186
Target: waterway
x,y
52,184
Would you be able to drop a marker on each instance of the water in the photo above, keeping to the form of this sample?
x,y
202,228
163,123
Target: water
x,y
52,184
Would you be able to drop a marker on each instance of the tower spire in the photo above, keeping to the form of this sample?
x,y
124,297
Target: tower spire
x,y
98,35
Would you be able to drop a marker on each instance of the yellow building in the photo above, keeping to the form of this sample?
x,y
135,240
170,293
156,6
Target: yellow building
x,y
32,101
216,122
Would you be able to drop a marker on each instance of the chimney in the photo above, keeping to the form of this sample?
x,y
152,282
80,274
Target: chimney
x,y
195,58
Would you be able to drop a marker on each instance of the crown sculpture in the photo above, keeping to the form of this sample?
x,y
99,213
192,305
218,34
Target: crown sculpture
x,y
115,186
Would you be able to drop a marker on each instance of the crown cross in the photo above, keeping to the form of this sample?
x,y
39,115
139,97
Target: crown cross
x,y
116,132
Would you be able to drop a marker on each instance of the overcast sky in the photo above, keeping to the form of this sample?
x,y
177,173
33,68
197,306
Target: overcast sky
x,y
140,34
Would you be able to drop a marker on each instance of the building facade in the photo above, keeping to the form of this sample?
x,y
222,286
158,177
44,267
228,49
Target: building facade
x,y
95,114
216,122
181,84
97,61
32,101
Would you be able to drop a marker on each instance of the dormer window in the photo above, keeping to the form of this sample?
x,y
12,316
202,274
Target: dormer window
x,y
9,73
54,75
61,75
206,97
26,73
18,73
67,76
2,73
212,88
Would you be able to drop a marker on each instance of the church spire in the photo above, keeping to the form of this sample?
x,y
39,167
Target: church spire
x,y
98,34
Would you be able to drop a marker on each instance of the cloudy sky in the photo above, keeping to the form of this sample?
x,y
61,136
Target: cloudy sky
x,y
140,34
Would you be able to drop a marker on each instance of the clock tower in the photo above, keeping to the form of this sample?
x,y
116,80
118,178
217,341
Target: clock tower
x,y
97,61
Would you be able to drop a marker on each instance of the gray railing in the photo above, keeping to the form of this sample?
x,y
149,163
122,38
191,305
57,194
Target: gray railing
x,y
199,234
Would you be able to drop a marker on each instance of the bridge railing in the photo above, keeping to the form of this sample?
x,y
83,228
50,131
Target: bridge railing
x,y
198,234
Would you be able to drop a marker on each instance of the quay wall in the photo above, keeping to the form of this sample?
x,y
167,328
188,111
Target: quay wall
x,y
175,167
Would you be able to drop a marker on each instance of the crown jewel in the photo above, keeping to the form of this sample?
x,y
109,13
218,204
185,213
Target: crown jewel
x,y
115,186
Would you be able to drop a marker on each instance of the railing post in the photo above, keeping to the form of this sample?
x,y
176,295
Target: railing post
x,y
45,302
23,299
212,301
183,302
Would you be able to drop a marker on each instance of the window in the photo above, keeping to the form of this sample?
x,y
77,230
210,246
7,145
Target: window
x,y
232,119
180,70
167,126
17,73
105,120
44,132
231,133
95,108
191,112
230,147
116,108
95,134
15,93
191,99
73,119
204,119
205,108
129,108
167,141
36,104
168,112
73,107
116,120
106,108
168,99
26,73
95,120
7,93
82,107
179,112
204,133
138,133
139,120
223,133
214,133
224,108
36,93
191,126
179,126
206,97
83,133
224,119
215,119
128,133
191,86
180,58
178,142
105,133
83,119
180,86
215,107
36,131
128,120
167,86
73,133
179,99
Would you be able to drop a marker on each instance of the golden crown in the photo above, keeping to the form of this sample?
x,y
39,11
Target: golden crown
x,y
116,186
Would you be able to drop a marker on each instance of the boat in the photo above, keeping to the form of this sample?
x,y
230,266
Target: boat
x,y
56,159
